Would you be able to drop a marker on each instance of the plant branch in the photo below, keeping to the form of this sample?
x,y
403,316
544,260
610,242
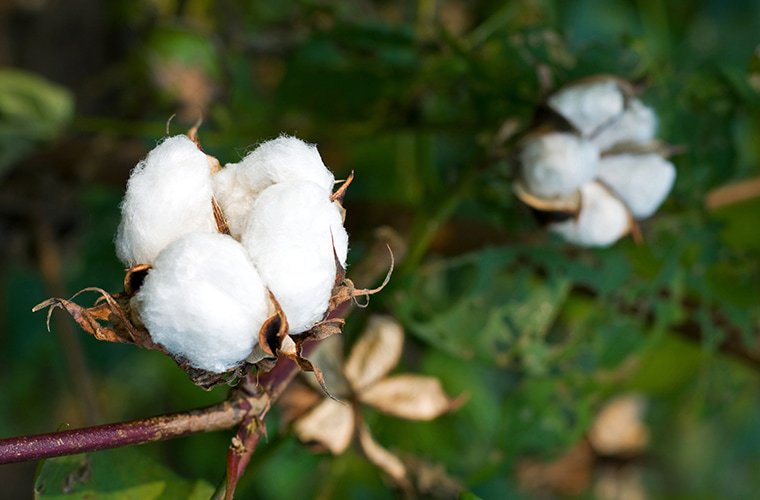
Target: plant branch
x,y
249,400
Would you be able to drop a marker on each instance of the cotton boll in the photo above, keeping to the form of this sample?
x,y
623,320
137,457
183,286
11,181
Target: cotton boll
x,y
603,219
280,160
168,195
204,301
556,164
642,181
290,237
589,105
637,125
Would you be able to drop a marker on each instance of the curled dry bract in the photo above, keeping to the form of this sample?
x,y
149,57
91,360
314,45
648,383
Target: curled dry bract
x,y
204,301
168,195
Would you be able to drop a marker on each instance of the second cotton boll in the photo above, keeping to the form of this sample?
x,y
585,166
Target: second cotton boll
x,y
293,234
204,301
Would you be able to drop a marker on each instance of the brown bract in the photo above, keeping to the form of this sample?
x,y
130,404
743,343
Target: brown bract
x,y
363,378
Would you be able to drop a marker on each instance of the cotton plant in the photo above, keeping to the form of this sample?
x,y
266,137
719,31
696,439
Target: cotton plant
x,y
602,171
230,266
333,422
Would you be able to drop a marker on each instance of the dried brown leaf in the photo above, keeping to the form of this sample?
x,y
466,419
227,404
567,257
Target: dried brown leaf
x,y
376,352
329,357
297,399
330,424
384,459
414,397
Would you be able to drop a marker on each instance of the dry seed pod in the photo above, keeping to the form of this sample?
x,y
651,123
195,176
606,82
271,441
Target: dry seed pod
x,y
168,195
204,302
641,181
283,159
556,164
602,220
293,236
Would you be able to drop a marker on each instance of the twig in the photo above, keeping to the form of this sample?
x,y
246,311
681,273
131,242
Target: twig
x,y
56,444
733,193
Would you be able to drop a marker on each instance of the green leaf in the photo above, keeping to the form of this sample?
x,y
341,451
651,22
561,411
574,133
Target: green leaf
x,y
32,110
484,305
123,473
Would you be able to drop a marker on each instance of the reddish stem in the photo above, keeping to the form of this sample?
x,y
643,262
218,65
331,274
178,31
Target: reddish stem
x,y
55,444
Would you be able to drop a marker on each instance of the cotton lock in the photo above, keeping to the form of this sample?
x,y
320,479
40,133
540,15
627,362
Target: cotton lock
x,y
283,159
168,195
556,164
602,220
589,105
641,181
204,301
293,234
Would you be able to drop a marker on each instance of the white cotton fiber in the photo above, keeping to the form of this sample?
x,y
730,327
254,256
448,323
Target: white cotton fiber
x,y
283,159
603,219
290,236
556,164
589,105
636,125
642,181
204,301
168,195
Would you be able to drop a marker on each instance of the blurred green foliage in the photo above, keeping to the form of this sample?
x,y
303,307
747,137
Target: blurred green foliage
x,y
416,98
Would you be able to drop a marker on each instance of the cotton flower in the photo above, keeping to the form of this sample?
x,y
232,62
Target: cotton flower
x,y
293,234
602,220
168,195
284,159
556,164
588,105
642,181
204,301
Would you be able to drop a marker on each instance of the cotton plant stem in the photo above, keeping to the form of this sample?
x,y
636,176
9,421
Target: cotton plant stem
x,y
213,418
160,428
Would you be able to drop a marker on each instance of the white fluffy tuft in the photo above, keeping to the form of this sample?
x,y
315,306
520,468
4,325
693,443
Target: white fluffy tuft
x,y
284,159
589,105
642,181
556,164
603,219
204,301
636,125
290,237
168,195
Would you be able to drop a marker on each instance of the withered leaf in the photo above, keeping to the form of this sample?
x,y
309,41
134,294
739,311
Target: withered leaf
x,y
375,353
329,357
413,397
384,459
108,320
330,424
